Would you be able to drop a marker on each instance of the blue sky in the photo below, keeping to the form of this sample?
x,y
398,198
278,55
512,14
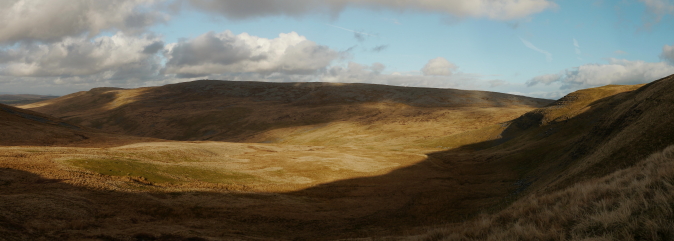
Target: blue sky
x,y
539,48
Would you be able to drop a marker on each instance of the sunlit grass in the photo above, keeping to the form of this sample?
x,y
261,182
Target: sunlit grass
x,y
158,173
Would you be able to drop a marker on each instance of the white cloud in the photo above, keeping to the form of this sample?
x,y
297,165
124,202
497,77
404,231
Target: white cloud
x,y
552,95
544,79
439,66
492,9
117,57
668,53
548,56
618,71
358,73
392,20
53,20
221,53
496,83
575,44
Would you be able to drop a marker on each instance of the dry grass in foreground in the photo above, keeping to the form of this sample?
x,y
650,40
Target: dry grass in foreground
x,y
225,191
636,203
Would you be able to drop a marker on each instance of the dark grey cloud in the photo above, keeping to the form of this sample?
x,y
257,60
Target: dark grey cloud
x,y
220,53
118,56
154,47
53,20
209,48
380,48
501,10
359,36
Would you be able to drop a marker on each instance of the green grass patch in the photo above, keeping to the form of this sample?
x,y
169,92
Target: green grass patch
x,y
166,156
157,173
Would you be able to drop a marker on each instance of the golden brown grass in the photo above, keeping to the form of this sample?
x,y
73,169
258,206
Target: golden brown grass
x,y
276,192
360,166
636,203
181,166
290,113
564,172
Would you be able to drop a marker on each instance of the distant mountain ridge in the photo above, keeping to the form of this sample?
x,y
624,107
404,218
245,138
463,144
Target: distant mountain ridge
x,y
22,99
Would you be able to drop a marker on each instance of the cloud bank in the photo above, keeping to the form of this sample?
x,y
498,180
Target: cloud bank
x,y
117,57
668,53
492,9
439,66
218,53
618,72
53,20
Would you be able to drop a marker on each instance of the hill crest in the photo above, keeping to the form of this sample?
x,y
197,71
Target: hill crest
x,y
296,113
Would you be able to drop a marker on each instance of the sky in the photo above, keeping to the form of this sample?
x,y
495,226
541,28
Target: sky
x,y
537,48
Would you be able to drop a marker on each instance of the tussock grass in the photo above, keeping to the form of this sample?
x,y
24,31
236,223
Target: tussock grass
x,y
636,203
469,137
158,173
350,114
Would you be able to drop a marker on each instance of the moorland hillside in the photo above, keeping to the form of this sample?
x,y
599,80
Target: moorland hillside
x,y
289,113
580,167
24,127
596,164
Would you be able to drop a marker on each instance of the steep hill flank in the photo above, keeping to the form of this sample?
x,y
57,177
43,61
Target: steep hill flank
x,y
589,133
597,164
295,113
629,204
25,127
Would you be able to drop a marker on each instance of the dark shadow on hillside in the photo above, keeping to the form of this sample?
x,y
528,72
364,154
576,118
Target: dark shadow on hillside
x,y
235,111
427,193
449,186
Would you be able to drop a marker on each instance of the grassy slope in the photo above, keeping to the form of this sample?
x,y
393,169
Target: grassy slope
x,y
290,113
25,127
588,133
583,155
571,150
359,182
607,134
630,204
214,189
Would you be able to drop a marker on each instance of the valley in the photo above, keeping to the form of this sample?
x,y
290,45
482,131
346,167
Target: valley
x,y
220,160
